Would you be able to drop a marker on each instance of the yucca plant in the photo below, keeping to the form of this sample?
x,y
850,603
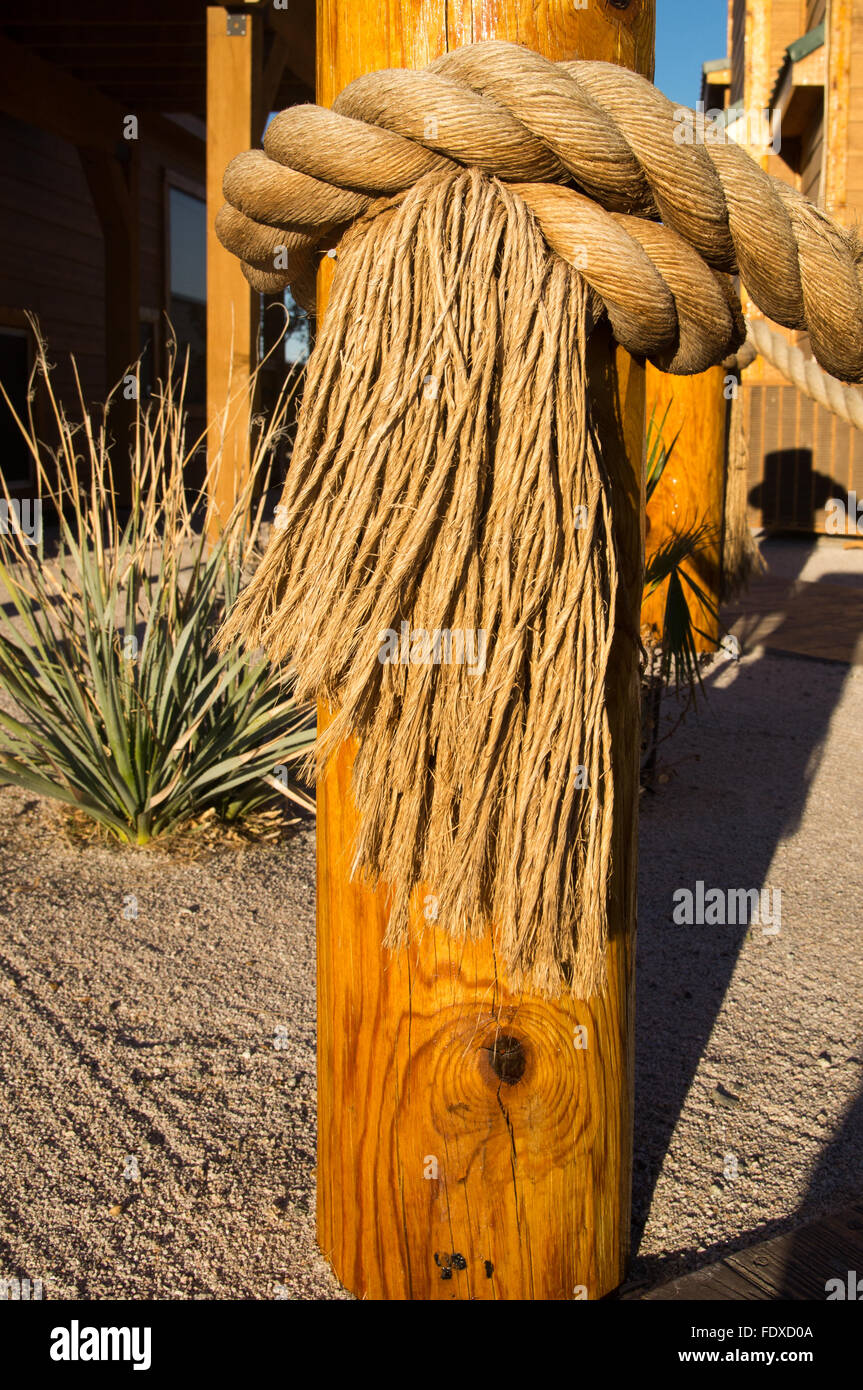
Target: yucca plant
x,y
122,707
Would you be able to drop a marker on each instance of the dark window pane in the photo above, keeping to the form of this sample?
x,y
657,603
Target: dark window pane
x,y
189,320
187,307
188,223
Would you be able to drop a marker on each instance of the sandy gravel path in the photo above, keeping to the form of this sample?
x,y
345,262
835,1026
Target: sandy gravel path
x,y
157,1023
157,1060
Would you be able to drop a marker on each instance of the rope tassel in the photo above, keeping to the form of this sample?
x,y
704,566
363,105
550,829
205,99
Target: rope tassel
x,y
443,573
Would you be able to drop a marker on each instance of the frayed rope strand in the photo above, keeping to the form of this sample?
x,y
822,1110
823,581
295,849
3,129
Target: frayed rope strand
x,y
446,477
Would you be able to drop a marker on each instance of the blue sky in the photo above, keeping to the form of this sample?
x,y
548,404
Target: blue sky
x,y
688,33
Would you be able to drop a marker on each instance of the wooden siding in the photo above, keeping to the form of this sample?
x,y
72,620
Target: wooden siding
x,y
51,245
800,455
854,129
51,249
786,25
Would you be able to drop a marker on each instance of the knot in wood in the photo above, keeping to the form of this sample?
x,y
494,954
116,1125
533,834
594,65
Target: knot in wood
x,y
507,1058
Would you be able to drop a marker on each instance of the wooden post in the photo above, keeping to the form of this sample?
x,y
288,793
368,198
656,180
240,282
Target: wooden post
x,y
474,1141
692,488
842,105
234,124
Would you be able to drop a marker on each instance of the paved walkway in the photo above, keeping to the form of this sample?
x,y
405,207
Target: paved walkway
x,y
809,603
749,1067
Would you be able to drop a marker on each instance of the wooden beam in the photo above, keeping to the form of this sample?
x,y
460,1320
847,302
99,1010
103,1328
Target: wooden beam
x,y
234,124
57,14
843,25
46,96
435,1181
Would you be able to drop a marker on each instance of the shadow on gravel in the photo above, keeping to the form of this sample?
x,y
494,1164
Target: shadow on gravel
x,y
720,822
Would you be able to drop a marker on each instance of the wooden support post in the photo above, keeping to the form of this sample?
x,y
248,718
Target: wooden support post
x,y
843,47
437,1177
692,489
234,124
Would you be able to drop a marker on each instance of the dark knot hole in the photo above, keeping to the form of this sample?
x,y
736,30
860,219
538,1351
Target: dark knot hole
x,y
508,1058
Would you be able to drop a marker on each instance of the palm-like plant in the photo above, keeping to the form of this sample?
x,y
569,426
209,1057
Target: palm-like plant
x,y
671,564
121,706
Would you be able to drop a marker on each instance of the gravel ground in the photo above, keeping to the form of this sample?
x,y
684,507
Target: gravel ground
x,y
749,1047
157,1061
157,1022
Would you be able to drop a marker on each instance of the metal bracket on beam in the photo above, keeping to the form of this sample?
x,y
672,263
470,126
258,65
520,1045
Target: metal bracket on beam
x,y
235,26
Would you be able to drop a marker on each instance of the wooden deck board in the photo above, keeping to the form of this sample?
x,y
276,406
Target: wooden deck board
x,y
794,1266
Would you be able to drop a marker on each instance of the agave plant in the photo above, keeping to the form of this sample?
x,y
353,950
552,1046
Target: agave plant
x,y
121,705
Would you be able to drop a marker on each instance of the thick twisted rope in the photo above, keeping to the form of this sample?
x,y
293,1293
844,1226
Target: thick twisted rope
x,y
741,556
801,370
449,490
653,224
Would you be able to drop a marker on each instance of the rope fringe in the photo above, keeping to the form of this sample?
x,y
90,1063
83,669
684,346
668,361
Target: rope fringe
x,y
446,479
444,571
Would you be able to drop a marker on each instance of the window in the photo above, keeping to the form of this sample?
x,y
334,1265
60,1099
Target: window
x,y
187,285
297,333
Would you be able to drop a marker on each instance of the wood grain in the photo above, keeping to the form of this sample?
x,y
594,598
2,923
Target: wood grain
x,y
234,72
474,1141
692,488
842,102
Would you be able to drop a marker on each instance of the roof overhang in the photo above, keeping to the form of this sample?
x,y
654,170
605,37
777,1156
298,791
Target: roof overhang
x,y
801,77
